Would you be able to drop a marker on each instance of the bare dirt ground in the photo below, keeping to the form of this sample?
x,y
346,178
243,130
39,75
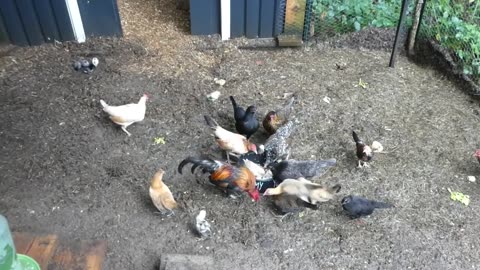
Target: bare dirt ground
x,y
66,169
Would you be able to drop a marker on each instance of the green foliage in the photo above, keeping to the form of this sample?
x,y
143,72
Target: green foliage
x,y
342,16
455,24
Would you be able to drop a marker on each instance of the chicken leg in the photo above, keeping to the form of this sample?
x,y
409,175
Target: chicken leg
x,y
124,128
228,157
362,164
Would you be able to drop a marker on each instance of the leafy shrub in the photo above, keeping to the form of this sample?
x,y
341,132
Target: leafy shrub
x,y
455,25
343,16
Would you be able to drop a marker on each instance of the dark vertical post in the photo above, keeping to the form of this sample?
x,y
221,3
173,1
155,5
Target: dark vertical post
x,y
308,20
420,20
279,17
403,14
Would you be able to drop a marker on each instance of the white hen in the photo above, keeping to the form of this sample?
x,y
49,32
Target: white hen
x,y
125,115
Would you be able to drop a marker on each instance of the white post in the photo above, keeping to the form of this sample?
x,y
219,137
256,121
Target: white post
x,y
76,20
225,18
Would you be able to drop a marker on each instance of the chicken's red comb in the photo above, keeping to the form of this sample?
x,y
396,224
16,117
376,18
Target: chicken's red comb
x,y
477,153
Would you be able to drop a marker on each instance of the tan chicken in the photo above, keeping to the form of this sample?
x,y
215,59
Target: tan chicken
x,y
161,195
125,115
229,141
307,191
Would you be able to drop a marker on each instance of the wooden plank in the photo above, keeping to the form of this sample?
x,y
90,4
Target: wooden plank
x,y
42,249
95,252
267,17
252,18
79,255
52,253
63,259
65,256
295,16
22,241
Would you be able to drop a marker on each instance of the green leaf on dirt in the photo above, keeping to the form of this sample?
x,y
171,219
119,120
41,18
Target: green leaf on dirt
x,y
362,84
458,196
159,140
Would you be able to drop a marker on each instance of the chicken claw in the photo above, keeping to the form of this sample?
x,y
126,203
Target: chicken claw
x,y
125,129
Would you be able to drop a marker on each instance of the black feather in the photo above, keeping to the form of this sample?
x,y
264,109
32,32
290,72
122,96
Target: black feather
x,y
355,137
210,122
238,112
207,164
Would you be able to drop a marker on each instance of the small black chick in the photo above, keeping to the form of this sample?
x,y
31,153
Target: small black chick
x,y
364,152
294,169
356,206
246,122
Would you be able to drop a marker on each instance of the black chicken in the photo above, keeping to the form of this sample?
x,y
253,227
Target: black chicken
x,y
246,122
356,206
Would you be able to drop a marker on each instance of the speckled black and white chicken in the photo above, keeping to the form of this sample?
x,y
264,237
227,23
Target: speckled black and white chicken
x,y
277,148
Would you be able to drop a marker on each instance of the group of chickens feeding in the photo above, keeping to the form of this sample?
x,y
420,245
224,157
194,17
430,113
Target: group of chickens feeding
x,y
256,169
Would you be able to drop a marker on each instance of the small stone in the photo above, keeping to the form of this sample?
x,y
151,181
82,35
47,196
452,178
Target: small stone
x,y
472,178
213,96
327,100
220,82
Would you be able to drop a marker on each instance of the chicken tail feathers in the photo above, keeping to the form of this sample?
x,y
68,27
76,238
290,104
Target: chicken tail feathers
x,y
104,104
170,203
288,108
355,137
328,162
234,103
207,165
377,204
211,122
